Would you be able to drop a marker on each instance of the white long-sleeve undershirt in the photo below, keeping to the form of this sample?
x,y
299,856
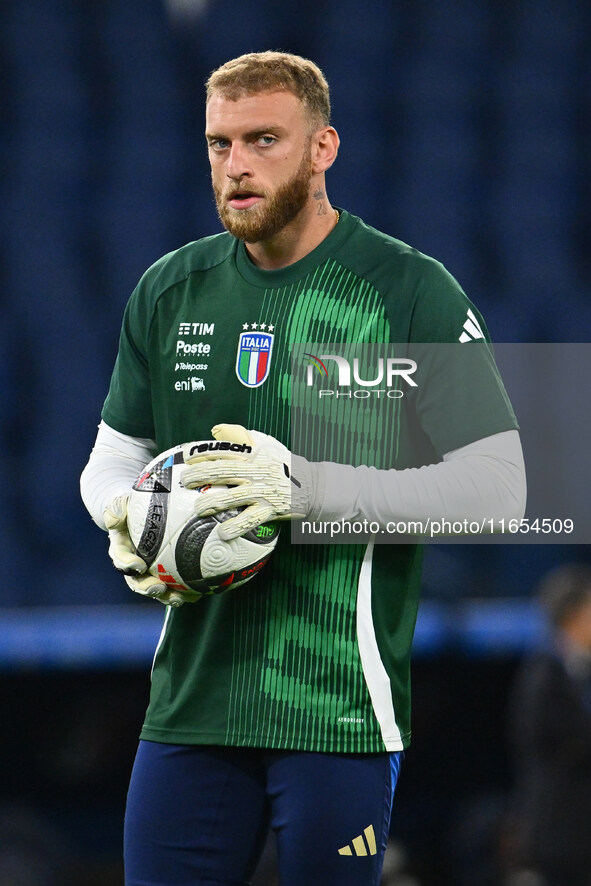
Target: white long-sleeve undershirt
x,y
115,463
482,481
479,482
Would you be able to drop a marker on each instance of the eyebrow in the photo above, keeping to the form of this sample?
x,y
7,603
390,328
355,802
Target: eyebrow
x,y
251,134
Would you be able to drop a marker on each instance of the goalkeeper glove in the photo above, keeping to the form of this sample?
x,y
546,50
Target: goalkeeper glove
x,y
265,479
126,560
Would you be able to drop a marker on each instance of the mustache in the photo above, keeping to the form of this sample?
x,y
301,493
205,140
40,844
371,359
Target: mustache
x,y
237,191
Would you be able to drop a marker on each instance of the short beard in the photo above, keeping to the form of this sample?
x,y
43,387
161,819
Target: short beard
x,y
280,208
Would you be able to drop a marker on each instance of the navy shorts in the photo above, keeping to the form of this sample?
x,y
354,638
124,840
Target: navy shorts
x,y
199,816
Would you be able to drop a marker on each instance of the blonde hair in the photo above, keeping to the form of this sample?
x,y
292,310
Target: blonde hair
x,y
267,71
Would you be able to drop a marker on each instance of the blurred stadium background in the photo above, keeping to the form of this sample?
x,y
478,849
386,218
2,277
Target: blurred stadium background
x,y
465,129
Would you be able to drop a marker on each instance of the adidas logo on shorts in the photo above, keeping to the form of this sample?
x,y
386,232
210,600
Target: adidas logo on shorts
x,y
360,846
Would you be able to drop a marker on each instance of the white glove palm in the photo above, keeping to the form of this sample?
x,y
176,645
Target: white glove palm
x,y
126,560
260,480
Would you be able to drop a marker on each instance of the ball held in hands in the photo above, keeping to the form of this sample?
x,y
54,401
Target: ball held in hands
x,y
257,471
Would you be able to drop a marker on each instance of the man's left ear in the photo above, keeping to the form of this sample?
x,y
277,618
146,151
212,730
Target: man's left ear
x,y
325,147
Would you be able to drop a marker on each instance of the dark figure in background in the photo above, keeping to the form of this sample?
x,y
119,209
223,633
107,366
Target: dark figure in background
x,y
550,735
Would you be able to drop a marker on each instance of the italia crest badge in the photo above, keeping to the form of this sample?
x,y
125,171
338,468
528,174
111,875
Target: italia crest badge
x,y
253,359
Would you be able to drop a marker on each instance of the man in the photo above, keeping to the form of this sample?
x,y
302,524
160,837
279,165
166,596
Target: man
x,y
286,702
550,736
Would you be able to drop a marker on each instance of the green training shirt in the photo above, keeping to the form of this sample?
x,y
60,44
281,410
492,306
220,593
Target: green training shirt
x,y
314,652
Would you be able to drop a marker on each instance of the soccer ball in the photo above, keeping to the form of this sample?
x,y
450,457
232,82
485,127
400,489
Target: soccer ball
x,y
184,550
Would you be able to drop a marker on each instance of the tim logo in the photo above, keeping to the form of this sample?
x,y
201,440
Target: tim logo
x,y
253,359
389,372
